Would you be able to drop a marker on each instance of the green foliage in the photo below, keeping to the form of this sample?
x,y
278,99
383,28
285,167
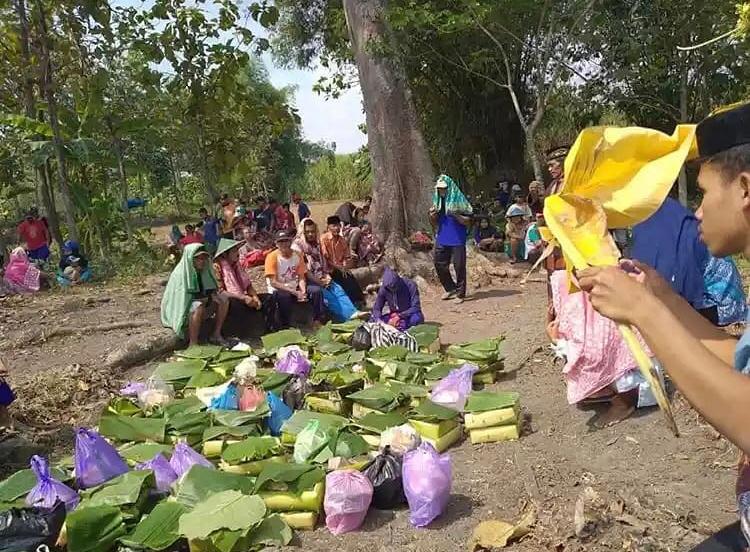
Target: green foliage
x,y
338,177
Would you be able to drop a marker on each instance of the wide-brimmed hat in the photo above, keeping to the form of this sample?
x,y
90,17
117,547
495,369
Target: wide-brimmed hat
x,y
723,129
225,244
516,211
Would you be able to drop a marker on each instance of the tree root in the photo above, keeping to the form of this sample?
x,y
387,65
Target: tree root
x,y
42,335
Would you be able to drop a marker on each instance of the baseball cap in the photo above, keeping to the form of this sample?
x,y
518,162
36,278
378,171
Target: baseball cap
x,y
284,235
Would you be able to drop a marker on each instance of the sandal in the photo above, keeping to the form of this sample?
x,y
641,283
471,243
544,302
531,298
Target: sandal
x,y
220,341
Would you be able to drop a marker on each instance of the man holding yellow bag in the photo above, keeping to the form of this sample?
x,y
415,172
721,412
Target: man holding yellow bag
x,y
707,365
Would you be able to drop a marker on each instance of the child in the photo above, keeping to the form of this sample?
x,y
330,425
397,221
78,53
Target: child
x,y
515,231
522,204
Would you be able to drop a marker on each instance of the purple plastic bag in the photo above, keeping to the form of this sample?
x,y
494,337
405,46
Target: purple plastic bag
x,y
427,483
454,389
348,497
184,458
163,472
293,363
48,491
96,461
132,389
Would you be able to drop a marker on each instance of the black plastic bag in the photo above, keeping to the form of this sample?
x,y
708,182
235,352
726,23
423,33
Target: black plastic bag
x,y
25,529
360,339
384,472
295,391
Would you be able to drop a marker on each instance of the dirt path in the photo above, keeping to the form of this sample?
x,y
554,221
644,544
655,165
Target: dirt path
x,y
657,492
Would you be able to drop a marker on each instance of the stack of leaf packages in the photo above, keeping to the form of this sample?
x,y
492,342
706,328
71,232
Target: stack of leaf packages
x,y
427,336
436,424
493,416
486,354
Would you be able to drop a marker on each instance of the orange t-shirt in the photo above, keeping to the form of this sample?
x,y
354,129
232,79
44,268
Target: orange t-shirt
x,y
335,249
288,271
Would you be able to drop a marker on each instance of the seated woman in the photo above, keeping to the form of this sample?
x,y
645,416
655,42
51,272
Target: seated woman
x,y
487,237
191,296
515,231
21,275
401,295
318,276
74,268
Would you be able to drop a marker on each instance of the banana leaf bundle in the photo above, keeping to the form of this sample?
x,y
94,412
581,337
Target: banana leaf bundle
x,y
404,372
200,482
493,416
381,355
202,352
215,438
378,397
291,487
274,341
132,429
328,402
178,373
250,456
136,453
301,418
427,336
158,530
301,521
276,382
128,492
483,352
236,418
436,424
422,359
373,424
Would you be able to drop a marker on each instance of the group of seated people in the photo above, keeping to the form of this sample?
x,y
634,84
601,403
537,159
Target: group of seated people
x,y
305,266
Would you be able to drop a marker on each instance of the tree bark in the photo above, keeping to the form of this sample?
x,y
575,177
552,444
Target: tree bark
x,y
42,189
682,191
117,147
49,94
403,175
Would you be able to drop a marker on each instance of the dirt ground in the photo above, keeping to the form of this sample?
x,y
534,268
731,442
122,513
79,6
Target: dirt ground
x,y
655,492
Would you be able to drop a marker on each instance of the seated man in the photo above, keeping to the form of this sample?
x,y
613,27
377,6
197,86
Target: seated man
x,y
318,277
487,236
191,296
338,255
285,276
74,267
34,232
401,295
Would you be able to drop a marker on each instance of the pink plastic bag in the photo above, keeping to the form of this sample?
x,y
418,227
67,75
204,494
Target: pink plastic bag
x,y
96,461
48,491
250,398
293,363
454,389
184,458
348,497
163,472
427,483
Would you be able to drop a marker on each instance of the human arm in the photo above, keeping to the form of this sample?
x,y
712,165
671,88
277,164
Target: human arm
x,y
414,302
377,307
699,367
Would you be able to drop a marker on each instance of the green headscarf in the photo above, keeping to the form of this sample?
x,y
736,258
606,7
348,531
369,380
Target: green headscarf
x,y
182,287
455,200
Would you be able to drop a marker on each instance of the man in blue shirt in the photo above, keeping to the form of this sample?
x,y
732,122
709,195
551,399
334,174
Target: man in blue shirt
x,y
210,227
450,245
708,366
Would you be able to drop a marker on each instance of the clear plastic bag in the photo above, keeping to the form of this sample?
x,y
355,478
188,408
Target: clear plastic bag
x,y
280,413
228,400
96,461
132,389
384,472
48,491
427,483
208,394
250,397
400,439
156,393
454,389
184,458
246,370
293,362
163,472
347,499
310,441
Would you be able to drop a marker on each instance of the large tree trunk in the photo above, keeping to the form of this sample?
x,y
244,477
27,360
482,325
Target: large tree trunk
x,y
403,175
117,147
42,189
47,83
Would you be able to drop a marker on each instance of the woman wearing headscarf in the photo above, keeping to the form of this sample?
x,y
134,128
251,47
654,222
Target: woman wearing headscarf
x,y
487,237
401,296
192,295
670,242
318,275
74,267
21,275
450,216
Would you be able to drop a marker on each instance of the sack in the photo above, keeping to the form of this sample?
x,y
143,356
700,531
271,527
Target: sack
x,y
227,400
163,472
96,461
295,391
280,413
347,499
360,339
384,472
427,483
184,458
48,491
25,529
295,363
250,398
310,441
454,389
155,393
400,439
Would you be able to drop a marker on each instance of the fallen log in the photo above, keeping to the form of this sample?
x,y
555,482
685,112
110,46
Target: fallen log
x,y
44,335
138,350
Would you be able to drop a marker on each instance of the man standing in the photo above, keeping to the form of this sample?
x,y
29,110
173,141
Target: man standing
x,y
33,231
555,166
338,255
709,367
299,208
450,215
210,227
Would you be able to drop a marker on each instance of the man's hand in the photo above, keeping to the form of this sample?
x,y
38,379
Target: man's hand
x,y
648,276
301,296
615,294
252,301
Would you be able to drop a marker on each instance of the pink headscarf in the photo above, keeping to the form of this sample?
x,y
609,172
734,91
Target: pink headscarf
x,y
20,273
235,279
